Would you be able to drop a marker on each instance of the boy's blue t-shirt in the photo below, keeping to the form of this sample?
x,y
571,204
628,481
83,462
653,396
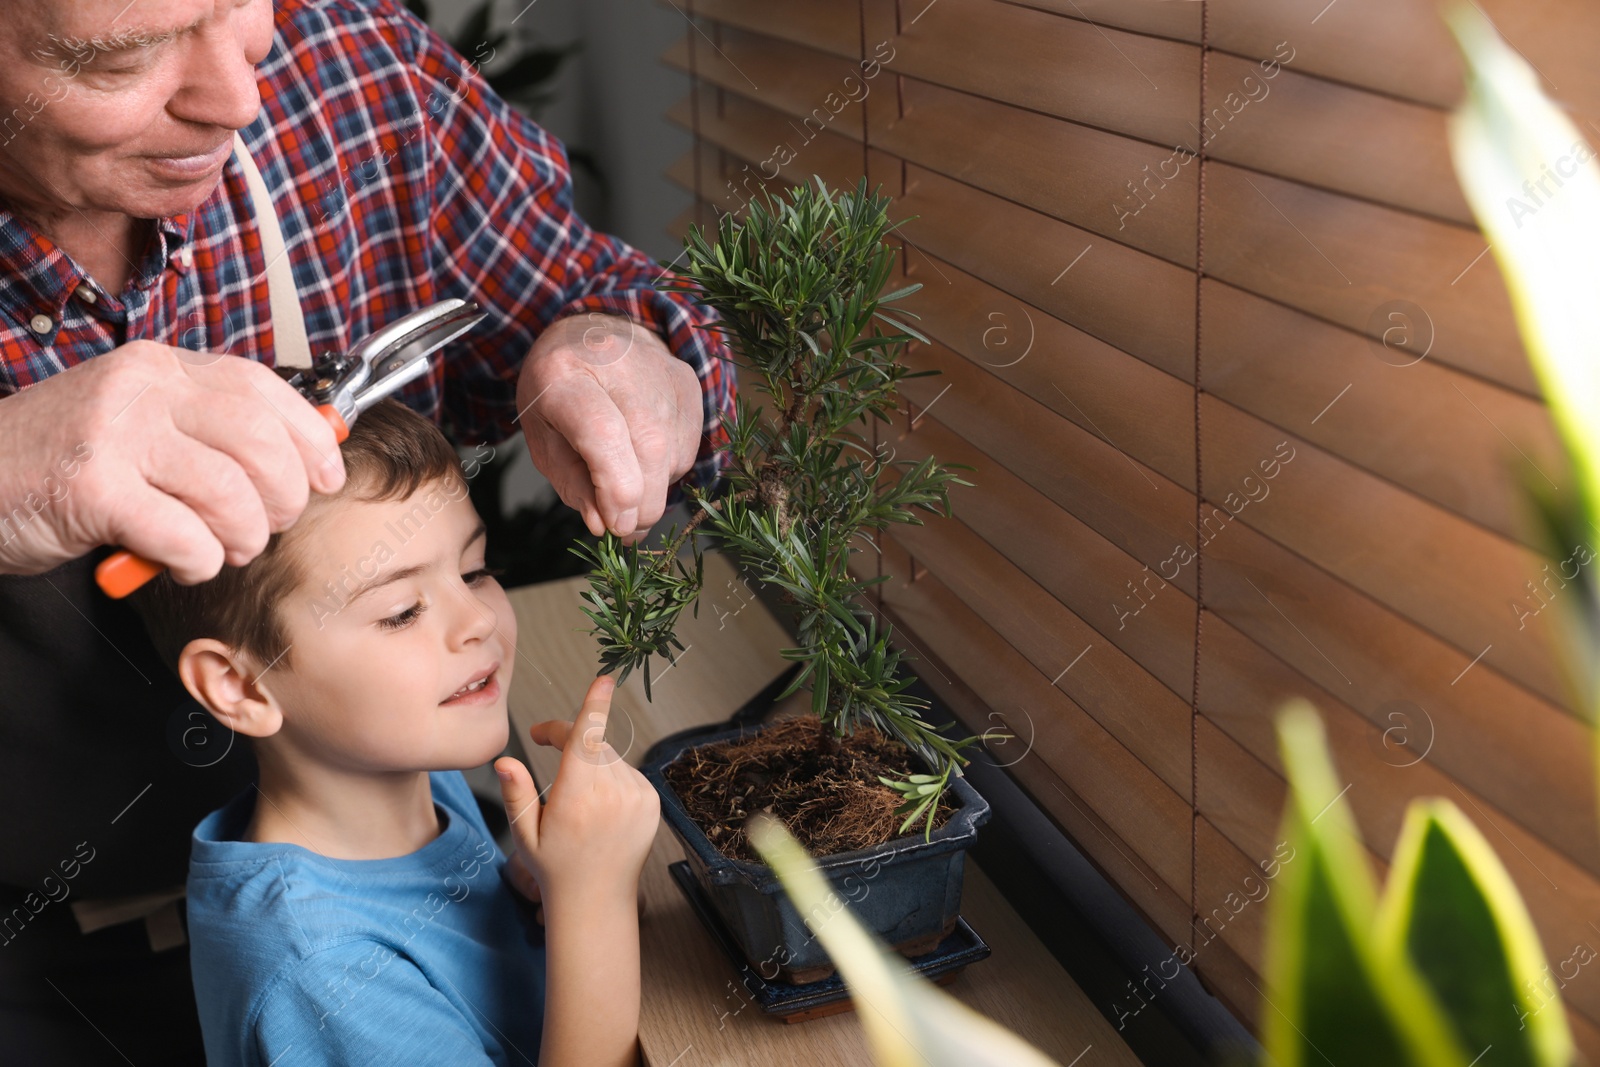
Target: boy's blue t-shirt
x,y
299,959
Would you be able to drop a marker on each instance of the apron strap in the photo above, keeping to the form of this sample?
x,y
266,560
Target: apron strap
x,y
288,322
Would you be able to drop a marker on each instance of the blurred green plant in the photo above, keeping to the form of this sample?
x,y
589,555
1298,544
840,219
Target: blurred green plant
x,y
1443,971
1447,968
1506,139
909,1021
523,77
798,286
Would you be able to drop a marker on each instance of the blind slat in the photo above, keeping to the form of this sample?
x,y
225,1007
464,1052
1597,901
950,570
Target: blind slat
x,y
1130,299
1403,738
1226,877
1145,815
826,25
793,79
1447,436
1163,907
1125,502
1345,261
1144,716
1334,136
1450,576
1401,47
1102,584
1136,408
1124,82
1412,56
751,132
1181,22
1127,191
1527,756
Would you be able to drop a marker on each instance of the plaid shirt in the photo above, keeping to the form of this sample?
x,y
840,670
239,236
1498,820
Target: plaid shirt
x,y
400,179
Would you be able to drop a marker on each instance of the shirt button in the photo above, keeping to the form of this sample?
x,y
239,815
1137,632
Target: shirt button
x,y
86,294
42,324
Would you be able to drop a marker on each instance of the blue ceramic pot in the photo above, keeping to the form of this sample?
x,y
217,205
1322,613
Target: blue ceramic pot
x,y
907,890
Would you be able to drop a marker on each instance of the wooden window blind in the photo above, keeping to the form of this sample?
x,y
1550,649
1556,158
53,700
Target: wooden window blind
x,y
1247,408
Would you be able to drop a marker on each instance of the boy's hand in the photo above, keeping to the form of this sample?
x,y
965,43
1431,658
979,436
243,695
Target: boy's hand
x,y
523,881
592,834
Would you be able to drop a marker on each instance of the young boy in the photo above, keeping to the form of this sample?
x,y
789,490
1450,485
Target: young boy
x,y
351,908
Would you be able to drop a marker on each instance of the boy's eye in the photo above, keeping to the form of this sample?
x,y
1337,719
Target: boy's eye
x,y
477,577
396,622
472,578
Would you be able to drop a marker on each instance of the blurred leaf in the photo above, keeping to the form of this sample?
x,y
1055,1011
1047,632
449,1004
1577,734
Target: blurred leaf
x,y
1332,995
909,1021
1507,139
1510,143
475,30
1451,906
531,68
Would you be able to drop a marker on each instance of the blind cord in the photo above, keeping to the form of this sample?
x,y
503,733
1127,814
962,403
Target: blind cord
x,y
1199,494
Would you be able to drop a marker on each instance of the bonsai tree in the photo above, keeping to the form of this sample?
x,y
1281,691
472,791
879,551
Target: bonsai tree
x,y
798,285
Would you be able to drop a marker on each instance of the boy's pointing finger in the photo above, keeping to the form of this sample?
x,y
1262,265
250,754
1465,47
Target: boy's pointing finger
x,y
589,726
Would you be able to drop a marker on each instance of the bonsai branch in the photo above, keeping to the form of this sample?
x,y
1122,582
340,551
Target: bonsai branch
x,y
799,289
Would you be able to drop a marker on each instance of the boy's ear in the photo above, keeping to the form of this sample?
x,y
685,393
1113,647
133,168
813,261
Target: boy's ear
x,y
224,680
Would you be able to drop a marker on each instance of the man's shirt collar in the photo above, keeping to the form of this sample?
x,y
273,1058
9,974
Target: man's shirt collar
x,y
37,277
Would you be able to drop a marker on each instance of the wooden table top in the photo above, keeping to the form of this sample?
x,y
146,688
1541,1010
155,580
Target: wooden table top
x,y
693,1012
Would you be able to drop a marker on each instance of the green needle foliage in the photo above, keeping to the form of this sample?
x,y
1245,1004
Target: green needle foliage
x,y
797,287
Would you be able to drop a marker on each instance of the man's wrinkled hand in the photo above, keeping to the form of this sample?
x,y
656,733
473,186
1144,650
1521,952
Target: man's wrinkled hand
x,y
612,418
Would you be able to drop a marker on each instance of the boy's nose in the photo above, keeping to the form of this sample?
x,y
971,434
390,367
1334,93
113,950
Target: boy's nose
x,y
472,620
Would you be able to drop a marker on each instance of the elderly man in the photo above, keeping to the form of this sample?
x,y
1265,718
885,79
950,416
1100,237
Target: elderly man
x,y
138,407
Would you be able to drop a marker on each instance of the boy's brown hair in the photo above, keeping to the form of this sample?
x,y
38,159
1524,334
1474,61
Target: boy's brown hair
x,y
391,453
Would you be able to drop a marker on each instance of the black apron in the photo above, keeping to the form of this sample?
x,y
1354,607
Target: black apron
x,y
106,761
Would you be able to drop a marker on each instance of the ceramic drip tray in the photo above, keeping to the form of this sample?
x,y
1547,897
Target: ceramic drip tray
x,y
827,996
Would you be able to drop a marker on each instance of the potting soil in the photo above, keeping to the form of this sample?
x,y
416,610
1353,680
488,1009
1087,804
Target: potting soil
x,y
825,789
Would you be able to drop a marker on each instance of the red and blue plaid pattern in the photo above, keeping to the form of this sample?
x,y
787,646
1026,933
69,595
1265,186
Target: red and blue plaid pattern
x,y
400,179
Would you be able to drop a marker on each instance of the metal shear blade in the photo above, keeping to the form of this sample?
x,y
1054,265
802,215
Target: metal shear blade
x,y
386,361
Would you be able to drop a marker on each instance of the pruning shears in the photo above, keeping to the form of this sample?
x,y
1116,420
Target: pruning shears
x,y
341,385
